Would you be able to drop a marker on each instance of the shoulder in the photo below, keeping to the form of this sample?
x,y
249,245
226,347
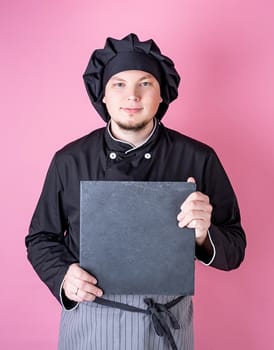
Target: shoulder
x,y
81,145
79,150
186,142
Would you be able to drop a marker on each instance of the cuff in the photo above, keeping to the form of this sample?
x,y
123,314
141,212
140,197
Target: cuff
x,y
202,254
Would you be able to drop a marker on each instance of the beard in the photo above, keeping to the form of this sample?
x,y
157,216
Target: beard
x,y
133,126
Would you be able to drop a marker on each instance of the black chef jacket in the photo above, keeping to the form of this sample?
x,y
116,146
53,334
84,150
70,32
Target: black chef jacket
x,y
53,239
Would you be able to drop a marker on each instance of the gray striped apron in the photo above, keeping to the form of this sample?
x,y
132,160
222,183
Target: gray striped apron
x,y
92,326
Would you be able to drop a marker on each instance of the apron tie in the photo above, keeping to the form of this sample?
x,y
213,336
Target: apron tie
x,y
158,314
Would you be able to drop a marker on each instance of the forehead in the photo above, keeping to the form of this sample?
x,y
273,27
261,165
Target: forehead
x,y
132,75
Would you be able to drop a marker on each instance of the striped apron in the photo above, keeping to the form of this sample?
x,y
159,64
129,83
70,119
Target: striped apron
x,y
91,326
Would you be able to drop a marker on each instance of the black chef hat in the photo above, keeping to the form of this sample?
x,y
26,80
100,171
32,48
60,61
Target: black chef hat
x,y
130,54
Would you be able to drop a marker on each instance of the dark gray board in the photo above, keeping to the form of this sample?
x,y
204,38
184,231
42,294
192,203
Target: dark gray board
x,y
130,240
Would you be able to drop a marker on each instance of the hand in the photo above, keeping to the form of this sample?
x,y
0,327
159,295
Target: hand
x,y
196,213
79,285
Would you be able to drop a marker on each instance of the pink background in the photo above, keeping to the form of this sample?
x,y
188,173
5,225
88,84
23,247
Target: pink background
x,y
224,52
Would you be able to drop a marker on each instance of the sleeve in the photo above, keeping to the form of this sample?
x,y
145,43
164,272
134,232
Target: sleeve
x,y
46,248
227,242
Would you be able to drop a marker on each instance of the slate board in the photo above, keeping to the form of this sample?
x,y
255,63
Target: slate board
x,y
130,240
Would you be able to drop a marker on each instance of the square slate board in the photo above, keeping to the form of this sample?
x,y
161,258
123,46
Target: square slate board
x,y
130,240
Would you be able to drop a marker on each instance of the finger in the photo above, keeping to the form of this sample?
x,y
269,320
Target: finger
x,y
192,210
78,295
84,296
194,207
77,272
197,196
72,283
90,288
194,219
79,291
191,179
70,290
84,286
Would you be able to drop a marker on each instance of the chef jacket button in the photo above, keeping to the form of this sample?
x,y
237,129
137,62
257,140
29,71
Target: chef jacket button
x,y
112,155
147,155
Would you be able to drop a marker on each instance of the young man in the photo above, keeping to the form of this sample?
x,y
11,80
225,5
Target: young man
x,y
130,83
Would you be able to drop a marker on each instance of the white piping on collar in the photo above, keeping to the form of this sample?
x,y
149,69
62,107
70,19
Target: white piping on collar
x,y
130,144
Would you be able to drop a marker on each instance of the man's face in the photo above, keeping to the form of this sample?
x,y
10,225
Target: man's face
x,y
132,99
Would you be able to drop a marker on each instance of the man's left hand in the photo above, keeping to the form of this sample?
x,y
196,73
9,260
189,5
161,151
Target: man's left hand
x,y
196,213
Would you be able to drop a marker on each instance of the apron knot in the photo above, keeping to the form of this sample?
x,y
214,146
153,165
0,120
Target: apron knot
x,y
159,314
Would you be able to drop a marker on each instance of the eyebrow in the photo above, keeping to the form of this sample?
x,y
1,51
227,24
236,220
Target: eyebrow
x,y
116,77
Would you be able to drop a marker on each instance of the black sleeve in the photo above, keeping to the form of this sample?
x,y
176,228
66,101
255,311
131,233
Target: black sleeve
x,y
226,231
45,242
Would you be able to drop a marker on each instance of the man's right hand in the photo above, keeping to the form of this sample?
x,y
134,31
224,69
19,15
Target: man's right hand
x,y
79,285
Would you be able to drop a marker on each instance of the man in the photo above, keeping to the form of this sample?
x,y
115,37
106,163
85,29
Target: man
x,y
130,83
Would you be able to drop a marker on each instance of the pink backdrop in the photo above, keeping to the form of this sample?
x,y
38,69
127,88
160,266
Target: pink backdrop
x,y
224,52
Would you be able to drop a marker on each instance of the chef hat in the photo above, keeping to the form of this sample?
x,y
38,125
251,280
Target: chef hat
x,y
130,54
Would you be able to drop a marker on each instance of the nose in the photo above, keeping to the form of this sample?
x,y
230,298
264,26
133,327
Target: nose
x,y
133,93
133,98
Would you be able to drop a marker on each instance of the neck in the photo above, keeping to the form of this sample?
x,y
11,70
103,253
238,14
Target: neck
x,y
133,136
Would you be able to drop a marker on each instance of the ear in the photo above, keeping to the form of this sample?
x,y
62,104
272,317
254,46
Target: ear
x,y
104,99
161,100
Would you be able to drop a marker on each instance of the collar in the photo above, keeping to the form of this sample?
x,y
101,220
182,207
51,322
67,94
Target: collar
x,y
126,147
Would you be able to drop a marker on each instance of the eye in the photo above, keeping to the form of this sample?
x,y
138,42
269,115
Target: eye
x,y
119,84
146,83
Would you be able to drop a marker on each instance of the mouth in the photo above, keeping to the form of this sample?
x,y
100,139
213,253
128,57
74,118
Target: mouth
x,y
131,110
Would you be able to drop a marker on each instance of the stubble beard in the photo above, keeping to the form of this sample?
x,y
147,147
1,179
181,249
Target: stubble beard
x,y
133,126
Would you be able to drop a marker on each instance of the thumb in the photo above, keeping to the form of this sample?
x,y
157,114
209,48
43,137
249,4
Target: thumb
x,y
191,179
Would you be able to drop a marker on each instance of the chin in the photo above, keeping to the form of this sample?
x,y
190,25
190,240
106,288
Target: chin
x,y
133,125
